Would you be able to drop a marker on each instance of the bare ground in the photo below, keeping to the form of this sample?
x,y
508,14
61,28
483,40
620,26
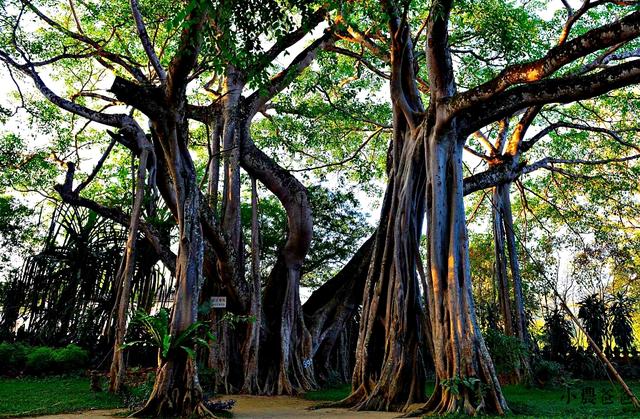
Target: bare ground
x,y
257,407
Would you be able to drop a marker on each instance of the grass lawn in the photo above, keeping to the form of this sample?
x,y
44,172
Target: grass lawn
x,y
51,395
542,403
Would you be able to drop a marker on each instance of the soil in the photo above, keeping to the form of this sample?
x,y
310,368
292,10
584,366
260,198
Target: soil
x,y
257,407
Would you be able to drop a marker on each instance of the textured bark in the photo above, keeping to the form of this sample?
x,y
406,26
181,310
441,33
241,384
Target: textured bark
x,y
501,259
503,229
213,177
251,347
225,355
389,370
459,349
176,390
518,297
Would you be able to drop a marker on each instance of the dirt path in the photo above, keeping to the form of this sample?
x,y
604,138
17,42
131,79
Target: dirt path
x,y
257,407
262,407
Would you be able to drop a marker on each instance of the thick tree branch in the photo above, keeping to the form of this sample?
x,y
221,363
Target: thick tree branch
x,y
560,90
439,62
186,57
289,40
605,36
114,120
404,91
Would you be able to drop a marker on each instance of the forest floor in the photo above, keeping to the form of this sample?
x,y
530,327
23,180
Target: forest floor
x,y
257,407
31,397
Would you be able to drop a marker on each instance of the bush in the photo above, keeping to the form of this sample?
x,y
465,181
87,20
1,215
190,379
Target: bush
x,y
506,351
70,358
18,358
12,358
40,361
583,363
546,372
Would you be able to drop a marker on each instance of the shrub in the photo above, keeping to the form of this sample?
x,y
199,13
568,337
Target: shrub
x,y
43,359
70,358
546,372
582,363
506,351
12,358
40,361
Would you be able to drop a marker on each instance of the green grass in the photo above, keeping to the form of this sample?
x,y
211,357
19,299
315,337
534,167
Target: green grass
x,y
537,403
51,395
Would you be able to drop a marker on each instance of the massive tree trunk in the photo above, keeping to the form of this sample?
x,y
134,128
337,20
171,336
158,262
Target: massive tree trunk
x,y
228,123
177,389
389,370
466,380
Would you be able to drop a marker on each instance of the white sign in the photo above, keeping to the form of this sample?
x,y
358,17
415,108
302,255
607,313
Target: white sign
x,y
219,302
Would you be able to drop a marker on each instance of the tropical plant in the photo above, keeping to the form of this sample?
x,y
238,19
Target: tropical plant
x,y
159,335
619,313
593,314
558,335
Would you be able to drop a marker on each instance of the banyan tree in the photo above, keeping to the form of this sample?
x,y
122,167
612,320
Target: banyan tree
x,y
172,81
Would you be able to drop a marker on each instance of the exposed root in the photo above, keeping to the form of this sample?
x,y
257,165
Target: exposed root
x,y
164,408
445,402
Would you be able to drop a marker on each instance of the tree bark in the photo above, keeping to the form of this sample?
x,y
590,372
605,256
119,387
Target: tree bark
x,y
518,296
502,279
466,380
251,347
503,229
118,367
389,369
176,389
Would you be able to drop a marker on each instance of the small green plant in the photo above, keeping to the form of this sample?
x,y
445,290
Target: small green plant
x,y
157,330
45,360
455,384
233,320
134,396
70,358
40,361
